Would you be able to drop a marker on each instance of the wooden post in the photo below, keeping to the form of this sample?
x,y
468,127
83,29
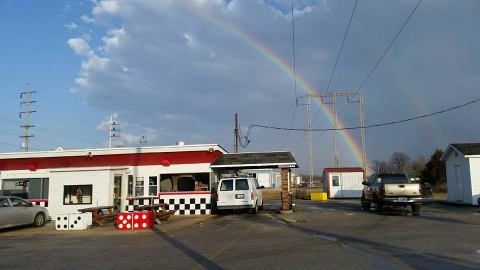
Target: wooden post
x,y
285,198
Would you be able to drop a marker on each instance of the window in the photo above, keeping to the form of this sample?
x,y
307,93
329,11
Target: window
x,y
16,202
184,182
130,186
76,194
335,181
152,185
4,202
241,184
27,188
139,191
227,185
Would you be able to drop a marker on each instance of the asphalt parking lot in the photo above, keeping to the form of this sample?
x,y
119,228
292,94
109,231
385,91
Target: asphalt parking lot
x,y
319,235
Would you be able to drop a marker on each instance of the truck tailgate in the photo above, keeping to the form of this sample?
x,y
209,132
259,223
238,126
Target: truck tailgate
x,y
404,190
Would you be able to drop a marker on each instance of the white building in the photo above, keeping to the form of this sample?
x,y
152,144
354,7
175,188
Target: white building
x,y
343,182
68,180
462,162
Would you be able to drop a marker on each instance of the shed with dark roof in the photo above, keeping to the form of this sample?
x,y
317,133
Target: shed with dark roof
x,y
462,162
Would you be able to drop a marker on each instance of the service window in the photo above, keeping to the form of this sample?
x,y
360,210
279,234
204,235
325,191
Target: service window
x,y
139,190
130,186
77,194
152,185
241,184
335,181
227,185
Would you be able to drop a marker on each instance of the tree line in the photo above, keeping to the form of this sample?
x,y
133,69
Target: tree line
x,y
431,171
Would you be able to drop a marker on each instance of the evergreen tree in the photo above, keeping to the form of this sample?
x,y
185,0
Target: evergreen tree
x,y
434,171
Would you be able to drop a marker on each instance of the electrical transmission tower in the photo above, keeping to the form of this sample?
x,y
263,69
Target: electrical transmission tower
x,y
307,103
25,105
114,131
143,140
352,97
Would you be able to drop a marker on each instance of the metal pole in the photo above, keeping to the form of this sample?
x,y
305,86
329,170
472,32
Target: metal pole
x,y
235,135
335,139
362,133
110,132
309,138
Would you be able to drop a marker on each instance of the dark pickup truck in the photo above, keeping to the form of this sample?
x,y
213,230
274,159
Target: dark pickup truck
x,y
393,190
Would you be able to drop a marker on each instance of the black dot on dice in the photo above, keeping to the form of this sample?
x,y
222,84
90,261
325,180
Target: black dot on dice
x,y
71,226
58,226
75,222
58,218
65,218
79,218
65,226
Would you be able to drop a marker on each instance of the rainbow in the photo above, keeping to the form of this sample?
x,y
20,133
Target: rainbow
x,y
276,60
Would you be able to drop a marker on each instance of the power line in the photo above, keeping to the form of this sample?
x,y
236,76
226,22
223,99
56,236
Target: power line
x,y
373,125
389,46
341,47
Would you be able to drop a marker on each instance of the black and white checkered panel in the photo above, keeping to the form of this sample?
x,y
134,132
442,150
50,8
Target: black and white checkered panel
x,y
188,205
130,207
40,203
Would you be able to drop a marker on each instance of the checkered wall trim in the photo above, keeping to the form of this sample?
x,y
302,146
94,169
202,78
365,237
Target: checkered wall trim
x,y
184,204
43,203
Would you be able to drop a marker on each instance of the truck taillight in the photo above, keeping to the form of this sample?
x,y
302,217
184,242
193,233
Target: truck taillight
x,y
382,190
252,196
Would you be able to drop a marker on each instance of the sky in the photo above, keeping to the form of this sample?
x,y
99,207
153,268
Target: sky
x,y
179,71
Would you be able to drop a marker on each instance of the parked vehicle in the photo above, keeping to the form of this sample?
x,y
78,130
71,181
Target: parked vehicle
x,y
391,190
239,193
15,211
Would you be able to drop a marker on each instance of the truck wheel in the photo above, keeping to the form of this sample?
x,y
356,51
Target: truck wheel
x,y
39,220
365,205
416,209
378,207
255,210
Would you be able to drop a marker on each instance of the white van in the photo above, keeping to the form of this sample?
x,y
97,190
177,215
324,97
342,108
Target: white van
x,y
239,193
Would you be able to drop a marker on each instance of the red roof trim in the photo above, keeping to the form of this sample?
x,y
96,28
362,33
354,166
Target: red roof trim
x,y
343,169
140,159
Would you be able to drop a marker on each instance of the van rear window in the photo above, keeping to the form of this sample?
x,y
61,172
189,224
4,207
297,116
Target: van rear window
x,y
227,185
241,184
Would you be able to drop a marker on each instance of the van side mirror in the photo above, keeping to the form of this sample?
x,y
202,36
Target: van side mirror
x,y
364,183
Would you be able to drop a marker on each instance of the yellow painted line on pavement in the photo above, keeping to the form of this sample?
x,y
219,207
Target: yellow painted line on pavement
x,y
229,244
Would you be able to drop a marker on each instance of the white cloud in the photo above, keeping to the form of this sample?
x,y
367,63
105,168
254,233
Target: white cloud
x,y
105,7
71,26
113,38
87,19
79,46
189,41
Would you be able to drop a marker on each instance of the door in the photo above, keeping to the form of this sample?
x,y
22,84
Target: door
x,y
226,196
22,211
459,182
7,213
117,192
335,186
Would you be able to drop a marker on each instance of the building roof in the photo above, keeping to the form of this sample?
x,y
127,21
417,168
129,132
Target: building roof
x,y
343,169
255,160
467,149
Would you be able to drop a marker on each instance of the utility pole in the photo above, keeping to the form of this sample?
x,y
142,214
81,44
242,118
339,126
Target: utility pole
x,y
349,95
235,135
26,106
309,137
114,131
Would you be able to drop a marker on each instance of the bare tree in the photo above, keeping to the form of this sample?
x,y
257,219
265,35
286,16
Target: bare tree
x,y
399,162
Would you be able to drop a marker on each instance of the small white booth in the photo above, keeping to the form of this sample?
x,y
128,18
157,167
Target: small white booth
x,y
343,182
462,163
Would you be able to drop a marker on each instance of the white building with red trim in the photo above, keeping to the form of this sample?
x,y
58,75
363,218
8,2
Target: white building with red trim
x,y
68,180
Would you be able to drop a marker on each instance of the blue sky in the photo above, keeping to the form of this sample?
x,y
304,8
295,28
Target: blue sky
x,y
169,74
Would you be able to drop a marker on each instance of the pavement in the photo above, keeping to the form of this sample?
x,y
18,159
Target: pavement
x,y
318,235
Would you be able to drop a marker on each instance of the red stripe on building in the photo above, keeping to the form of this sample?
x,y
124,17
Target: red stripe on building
x,y
140,159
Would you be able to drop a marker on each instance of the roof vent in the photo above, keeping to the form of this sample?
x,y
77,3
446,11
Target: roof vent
x,y
180,143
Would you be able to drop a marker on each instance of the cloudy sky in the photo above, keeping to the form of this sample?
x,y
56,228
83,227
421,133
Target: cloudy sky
x,y
179,70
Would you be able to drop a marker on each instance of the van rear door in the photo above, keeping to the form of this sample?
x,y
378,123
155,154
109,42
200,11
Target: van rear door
x,y
226,196
242,192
